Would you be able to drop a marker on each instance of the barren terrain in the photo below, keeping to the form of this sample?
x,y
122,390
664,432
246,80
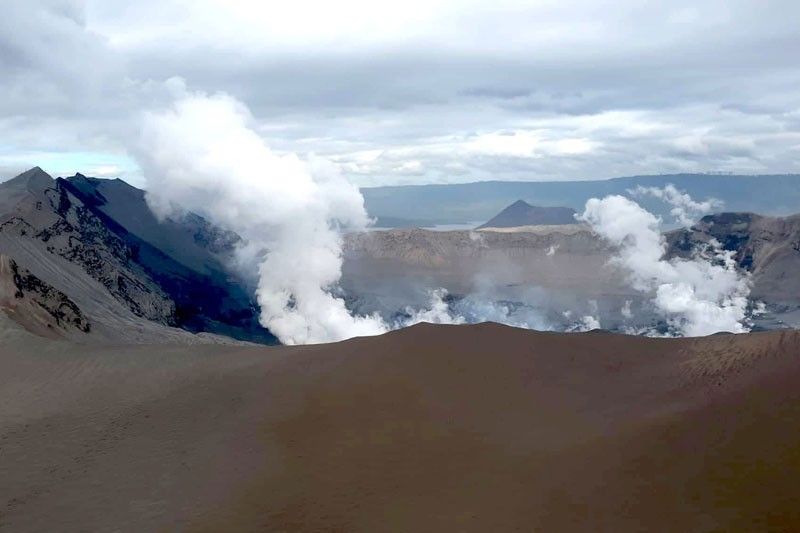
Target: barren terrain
x,y
431,428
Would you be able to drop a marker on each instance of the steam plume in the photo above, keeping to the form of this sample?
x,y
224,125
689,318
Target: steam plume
x,y
202,155
700,296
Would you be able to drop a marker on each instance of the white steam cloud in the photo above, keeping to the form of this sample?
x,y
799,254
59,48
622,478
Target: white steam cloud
x,y
626,310
438,312
698,296
586,323
202,155
478,307
685,210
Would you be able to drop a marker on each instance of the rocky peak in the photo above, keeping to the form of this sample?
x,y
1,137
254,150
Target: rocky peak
x,y
34,179
521,213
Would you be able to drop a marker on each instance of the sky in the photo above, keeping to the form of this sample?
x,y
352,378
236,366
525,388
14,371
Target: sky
x,y
419,91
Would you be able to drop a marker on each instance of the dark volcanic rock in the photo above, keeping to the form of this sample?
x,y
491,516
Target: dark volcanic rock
x,y
35,303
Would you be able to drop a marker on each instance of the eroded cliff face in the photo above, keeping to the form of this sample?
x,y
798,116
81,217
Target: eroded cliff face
x,y
557,273
36,305
566,267
572,256
420,247
565,257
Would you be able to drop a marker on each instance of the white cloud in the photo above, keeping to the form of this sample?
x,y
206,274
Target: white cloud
x,y
531,144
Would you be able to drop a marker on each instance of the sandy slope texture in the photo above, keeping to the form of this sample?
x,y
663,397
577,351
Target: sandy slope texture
x,y
431,428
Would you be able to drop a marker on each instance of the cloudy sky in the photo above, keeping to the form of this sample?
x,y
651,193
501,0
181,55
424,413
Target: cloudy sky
x,y
417,91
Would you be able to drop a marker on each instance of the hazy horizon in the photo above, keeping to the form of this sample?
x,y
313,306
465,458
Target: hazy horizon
x,y
143,186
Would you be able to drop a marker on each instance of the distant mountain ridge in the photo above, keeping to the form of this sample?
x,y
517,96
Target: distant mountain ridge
x,y
521,213
777,195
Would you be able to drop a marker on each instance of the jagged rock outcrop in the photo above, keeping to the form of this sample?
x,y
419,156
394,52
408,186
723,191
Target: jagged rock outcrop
x,y
36,305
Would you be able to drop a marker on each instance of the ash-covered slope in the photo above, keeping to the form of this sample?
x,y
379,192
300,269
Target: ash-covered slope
x,y
432,428
521,213
36,305
768,247
98,243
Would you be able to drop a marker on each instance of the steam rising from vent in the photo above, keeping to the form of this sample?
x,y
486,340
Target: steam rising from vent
x,y
438,313
700,296
586,323
476,307
201,155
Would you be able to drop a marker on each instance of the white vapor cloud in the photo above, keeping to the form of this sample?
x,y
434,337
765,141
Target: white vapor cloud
x,y
626,310
586,323
438,312
698,296
481,306
685,210
202,155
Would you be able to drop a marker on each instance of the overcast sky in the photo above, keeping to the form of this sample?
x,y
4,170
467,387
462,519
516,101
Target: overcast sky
x,y
417,91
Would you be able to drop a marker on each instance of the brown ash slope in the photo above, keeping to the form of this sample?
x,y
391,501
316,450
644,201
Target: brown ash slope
x,y
431,428
91,240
